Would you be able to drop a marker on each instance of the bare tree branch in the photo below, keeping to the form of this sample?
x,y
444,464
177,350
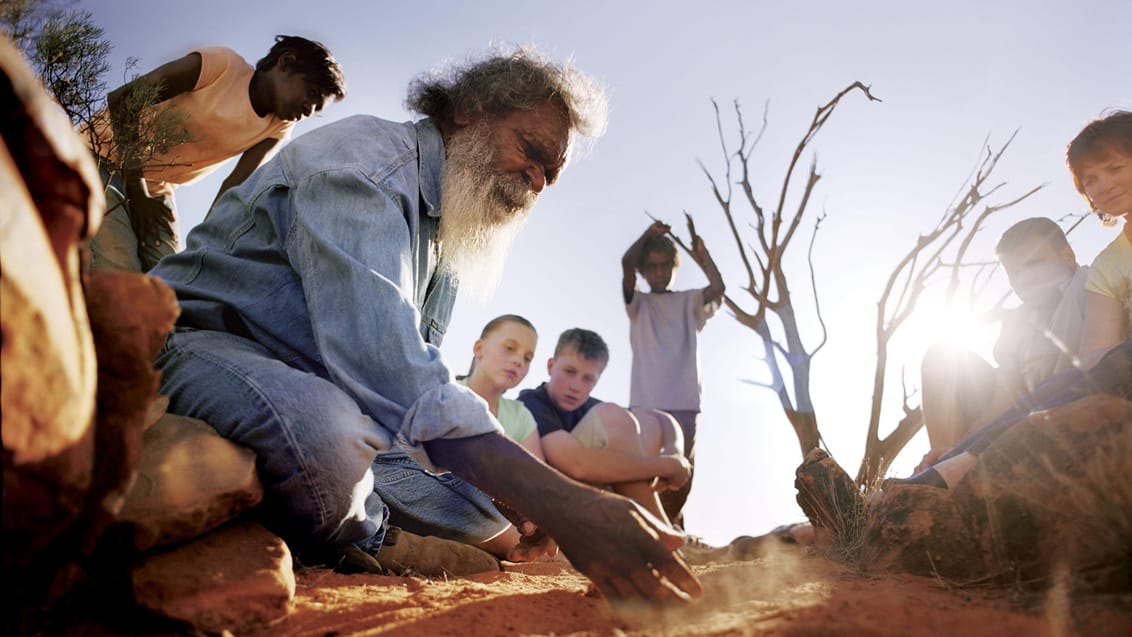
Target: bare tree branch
x,y
942,251
938,258
763,258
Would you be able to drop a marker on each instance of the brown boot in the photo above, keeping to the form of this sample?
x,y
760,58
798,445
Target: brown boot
x,y
404,553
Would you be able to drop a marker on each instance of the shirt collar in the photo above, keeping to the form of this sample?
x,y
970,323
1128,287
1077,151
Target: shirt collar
x,y
430,158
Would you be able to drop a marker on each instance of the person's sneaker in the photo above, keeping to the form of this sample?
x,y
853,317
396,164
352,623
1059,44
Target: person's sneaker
x,y
404,553
927,478
697,552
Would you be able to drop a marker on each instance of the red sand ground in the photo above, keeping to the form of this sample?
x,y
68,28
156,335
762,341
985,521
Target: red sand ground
x,y
786,594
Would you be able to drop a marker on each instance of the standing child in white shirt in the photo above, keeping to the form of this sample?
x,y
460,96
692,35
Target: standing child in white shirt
x,y
663,331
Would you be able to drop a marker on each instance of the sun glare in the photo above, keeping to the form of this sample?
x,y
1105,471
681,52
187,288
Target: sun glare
x,y
957,325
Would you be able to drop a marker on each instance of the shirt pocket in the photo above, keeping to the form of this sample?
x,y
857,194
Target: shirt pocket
x,y
433,331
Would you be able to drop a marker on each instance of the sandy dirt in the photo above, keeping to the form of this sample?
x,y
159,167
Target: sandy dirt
x,y
790,593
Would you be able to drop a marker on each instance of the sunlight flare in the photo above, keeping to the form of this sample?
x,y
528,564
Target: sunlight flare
x,y
954,325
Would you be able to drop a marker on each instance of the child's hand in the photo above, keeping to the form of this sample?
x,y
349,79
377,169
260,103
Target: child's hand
x,y
699,250
677,471
658,228
148,217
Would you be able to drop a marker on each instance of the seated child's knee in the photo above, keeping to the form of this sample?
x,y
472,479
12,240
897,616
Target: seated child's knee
x,y
615,417
658,426
591,431
621,426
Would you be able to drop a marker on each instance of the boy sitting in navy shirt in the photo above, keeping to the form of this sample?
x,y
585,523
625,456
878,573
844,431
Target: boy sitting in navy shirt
x,y
635,453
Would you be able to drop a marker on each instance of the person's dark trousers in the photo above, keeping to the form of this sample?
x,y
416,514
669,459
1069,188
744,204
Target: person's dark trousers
x,y
673,501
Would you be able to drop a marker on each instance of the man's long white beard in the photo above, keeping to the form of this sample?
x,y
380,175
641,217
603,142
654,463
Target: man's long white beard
x,y
481,211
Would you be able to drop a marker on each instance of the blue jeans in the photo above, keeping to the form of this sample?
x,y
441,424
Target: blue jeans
x,y
314,448
434,504
317,454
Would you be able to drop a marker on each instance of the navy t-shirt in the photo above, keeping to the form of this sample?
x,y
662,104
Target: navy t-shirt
x,y
548,416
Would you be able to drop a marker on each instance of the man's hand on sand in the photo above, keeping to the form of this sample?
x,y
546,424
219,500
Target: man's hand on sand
x,y
625,551
610,539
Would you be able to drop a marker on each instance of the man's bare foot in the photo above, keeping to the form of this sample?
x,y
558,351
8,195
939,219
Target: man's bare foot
x,y
524,542
532,546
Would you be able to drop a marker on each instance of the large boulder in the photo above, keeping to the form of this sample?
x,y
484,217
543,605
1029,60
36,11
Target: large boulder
x,y
237,577
130,314
70,452
190,481
1053,495
51,199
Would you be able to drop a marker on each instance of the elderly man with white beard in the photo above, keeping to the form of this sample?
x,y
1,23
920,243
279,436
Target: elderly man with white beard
x,y
315,295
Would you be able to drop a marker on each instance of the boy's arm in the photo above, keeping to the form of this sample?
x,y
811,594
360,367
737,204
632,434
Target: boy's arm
x,y
633,256
607,466
715,288
172,79
249,161
533,444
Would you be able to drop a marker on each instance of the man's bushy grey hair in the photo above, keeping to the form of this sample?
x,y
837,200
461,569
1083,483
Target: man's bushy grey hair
x,y
507,80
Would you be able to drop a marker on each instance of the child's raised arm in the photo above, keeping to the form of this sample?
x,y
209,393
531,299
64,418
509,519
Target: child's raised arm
x,y
715,288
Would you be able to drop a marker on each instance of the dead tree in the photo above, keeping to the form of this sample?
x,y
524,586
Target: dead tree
x,y
766,282
938,257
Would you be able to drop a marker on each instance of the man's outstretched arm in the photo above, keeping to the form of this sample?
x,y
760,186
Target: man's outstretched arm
x,y
610,539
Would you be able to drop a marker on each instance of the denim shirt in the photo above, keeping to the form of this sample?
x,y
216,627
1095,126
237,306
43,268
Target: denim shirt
x,y
327,255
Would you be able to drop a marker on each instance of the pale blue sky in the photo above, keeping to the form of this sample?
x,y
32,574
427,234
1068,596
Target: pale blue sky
x,y
950,74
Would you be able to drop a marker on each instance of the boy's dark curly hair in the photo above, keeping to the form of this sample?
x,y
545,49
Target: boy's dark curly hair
x,y
663,245
313,60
